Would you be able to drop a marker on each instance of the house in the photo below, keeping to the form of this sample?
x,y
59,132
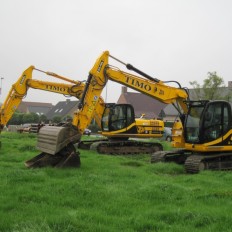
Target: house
x,y
142,103
149,106
34,107
62,109
169,113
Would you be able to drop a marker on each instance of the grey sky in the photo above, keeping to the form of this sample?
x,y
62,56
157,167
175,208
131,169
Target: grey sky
x,y
179,40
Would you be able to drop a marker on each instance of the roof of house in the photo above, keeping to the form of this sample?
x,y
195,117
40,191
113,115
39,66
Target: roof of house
x,y
170,110
62,108
142,103
34,107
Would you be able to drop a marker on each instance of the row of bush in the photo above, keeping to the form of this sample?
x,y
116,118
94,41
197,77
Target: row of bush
x,y
23,118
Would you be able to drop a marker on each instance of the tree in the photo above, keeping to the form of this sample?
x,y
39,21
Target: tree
x,y
31,118
22,118
56,119
16,119
43,118
67,118
36,118
211,88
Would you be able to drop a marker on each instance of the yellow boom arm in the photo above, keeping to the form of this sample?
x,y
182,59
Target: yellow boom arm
x,y
154,88
19,90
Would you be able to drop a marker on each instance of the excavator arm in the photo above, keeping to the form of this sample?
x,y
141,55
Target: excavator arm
x,y
156,90
152,87
15,96
19,90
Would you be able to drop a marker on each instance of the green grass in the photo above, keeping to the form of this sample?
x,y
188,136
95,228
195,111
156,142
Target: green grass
x,y
108,193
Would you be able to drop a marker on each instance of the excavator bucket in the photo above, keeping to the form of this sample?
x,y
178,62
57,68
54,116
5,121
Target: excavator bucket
x,y
52,139
56,144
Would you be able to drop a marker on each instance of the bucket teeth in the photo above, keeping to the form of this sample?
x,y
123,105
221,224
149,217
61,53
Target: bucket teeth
x,y
67,157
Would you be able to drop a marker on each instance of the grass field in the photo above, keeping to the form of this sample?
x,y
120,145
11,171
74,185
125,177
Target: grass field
x,y
108,193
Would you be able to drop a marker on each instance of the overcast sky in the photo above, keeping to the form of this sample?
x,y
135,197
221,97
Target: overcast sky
x,y
179,40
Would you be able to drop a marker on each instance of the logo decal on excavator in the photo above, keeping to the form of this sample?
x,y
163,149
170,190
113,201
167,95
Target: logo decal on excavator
x,y
161,92
100,66
93,104
138,84
22,80
143,85
56,88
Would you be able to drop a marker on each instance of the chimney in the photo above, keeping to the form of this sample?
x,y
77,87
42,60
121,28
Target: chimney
x,y
124,89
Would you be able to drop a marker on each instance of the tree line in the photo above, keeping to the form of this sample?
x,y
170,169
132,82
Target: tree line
x,y
22,118
33,118
213,88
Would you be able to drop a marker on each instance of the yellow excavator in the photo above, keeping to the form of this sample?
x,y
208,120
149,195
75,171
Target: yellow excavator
x,y
202,138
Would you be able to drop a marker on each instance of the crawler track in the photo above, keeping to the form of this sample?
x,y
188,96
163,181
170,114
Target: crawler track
x,y
126,147
198,162
85,145
195,162
177,156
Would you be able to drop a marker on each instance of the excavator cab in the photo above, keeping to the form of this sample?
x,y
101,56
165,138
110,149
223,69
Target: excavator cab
x,y
207,138
207,121
119,121
118,117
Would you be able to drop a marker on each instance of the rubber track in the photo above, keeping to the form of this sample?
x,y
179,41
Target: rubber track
x,y
217,161
128,148
177,156
193,164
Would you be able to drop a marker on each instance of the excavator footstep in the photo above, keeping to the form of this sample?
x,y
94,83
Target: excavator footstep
x,y
59,161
